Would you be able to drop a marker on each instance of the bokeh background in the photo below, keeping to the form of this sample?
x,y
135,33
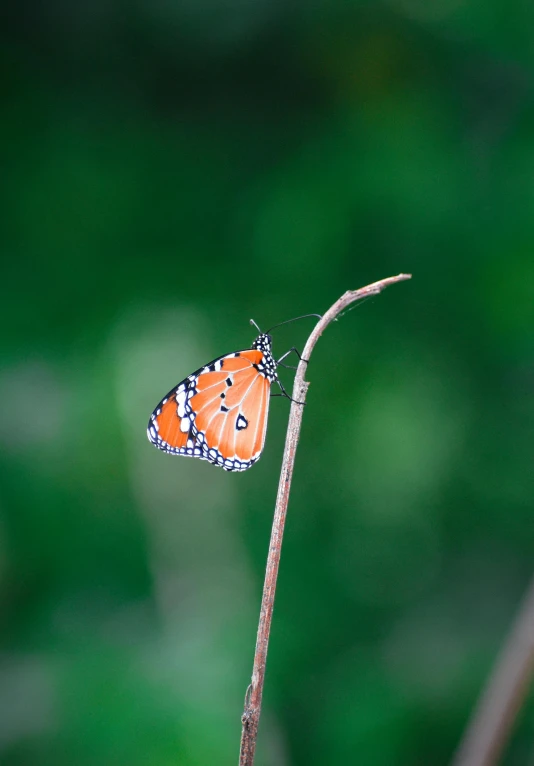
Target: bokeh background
x,y
169,170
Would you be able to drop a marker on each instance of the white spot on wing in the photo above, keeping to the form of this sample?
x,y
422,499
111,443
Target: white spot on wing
x,y
180,400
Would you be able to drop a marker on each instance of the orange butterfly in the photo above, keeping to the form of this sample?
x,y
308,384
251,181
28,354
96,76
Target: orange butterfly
x,y
219,413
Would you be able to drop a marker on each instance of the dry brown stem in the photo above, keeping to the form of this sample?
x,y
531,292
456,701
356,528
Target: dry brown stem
x,y
492,720
251,714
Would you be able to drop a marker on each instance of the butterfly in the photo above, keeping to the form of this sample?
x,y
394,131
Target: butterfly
x,y
219,413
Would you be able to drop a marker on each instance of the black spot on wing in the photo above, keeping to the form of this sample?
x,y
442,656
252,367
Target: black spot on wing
x,y
241,422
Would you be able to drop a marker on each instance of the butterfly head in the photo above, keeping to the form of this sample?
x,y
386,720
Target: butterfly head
x,y
263,343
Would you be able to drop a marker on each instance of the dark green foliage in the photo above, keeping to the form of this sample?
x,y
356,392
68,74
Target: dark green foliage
x,y
169,171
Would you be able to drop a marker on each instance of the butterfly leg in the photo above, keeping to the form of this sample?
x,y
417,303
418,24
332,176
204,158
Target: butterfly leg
x,y
284,393
291,350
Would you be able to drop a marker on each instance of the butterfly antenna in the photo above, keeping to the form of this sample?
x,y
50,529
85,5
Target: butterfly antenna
x,y
355,306
252,322
304,316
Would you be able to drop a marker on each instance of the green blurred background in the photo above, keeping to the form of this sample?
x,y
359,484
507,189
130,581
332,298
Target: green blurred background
x,y
169,170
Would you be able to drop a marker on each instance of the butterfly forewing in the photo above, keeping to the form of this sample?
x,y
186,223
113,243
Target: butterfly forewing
x,y
170,431
219,413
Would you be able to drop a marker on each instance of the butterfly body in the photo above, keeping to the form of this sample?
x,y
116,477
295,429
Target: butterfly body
x,y
219,413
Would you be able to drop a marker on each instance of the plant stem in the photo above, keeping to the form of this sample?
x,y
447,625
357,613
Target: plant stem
x,y
491,723
251,714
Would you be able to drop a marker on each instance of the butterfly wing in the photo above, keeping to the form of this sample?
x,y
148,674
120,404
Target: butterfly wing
x,y
218,413
169,428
